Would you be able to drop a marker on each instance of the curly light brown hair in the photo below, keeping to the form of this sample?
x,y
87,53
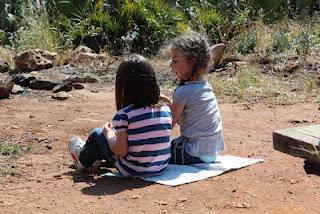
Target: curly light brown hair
x,y
193,46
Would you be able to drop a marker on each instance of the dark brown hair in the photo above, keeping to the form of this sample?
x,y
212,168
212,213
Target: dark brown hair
x,y
136,83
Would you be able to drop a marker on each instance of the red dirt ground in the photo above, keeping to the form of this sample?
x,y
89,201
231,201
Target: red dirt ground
x,y
45,181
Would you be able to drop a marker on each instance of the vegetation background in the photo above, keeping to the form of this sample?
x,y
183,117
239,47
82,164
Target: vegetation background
x,y
282,32
119,26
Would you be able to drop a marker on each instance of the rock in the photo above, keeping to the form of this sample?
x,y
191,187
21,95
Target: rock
x,y
217,52
64,86
83,49
17,89
42,84
85,54
5,88
61,95
34,59
78,86
22,80
290,68
47,54
318,80
88,57
86,79
4,66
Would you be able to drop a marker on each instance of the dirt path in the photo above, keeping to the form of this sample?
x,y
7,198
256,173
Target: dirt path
x,y
45,183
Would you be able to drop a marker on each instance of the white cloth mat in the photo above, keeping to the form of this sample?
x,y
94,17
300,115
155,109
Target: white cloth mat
x,y
181,174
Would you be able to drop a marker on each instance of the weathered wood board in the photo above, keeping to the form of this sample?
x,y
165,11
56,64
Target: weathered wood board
x,y
302,142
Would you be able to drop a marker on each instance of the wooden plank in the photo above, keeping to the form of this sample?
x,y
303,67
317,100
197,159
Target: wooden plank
x,y
301,142
313,130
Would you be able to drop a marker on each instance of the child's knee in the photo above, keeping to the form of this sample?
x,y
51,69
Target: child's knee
x,y
97,133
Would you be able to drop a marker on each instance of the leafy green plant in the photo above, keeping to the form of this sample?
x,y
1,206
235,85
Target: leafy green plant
x,y
211,21
280,41
304,42
156,22
134,26
244,44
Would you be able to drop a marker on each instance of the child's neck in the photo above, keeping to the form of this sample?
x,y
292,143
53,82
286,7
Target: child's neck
x,y
197,78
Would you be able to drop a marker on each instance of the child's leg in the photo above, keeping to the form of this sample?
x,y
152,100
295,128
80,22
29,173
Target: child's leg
x,y
179,155
96,148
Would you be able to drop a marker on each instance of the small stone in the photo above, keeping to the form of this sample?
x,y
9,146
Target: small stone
x,y
135,197
163,203
17,89
65,86
78,86
61,96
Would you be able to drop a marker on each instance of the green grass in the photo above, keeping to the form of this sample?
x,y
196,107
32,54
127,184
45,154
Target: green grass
x,y
36,33
10,150
8,170
6,152
250,85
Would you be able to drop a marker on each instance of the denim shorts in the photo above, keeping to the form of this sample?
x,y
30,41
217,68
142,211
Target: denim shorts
x,y
179,155
96,148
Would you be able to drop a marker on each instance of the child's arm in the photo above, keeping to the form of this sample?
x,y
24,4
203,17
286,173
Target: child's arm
x,y
176,110
118,141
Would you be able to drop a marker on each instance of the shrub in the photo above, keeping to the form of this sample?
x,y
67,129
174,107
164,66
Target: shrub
x,y
134,26
244,44
304,42
280,41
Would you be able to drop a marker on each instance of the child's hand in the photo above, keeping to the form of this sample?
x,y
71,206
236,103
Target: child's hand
x,y
165,99
109,133
108,127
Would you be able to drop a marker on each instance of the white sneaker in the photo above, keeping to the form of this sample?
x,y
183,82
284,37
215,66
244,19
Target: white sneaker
x,y
75,146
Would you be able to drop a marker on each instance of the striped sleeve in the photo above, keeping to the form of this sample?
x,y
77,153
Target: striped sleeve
x,y
120,121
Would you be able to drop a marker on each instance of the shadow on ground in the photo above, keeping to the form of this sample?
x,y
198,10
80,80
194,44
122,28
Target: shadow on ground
x,y
312,167
99,185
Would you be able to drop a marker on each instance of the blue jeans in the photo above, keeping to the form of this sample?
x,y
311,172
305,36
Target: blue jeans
x,y
179,155
96,148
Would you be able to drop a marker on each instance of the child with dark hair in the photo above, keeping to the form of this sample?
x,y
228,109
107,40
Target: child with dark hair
x,y
137,142
194,105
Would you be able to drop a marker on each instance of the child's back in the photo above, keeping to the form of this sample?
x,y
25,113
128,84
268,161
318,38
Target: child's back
x,y
200,121
148,130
